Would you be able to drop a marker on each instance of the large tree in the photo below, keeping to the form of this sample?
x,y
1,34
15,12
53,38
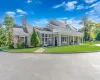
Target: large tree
x,y
2,36
91,27
35,40
98,36
84,23
9,22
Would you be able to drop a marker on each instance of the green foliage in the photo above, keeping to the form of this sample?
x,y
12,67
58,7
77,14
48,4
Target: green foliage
x,y
3,37
98,36
86,35
9,22
35,40
11,46
90,29
20,45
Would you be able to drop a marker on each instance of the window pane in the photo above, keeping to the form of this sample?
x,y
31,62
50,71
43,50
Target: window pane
x,y
42,35
45,35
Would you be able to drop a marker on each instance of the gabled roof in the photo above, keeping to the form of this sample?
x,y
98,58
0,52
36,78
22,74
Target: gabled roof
x,y
57,23
19,31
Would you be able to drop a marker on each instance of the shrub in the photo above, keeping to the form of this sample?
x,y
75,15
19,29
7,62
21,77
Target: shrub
x,y
98,36
20,45
11,46
35,40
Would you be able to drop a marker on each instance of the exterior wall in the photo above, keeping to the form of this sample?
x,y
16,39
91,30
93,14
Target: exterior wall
x,y
45,39
17,38
68,39
29,40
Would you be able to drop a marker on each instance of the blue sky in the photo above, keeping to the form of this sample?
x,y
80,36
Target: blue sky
x,y
39,12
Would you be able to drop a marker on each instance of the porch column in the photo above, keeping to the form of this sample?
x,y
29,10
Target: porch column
x,y
24,39
82,39
73,39
78,40
59,39
68,40
44,39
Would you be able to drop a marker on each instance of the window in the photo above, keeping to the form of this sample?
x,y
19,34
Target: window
x,y
45,35
22,39
42,35
64,39
42,40
46,40
49,35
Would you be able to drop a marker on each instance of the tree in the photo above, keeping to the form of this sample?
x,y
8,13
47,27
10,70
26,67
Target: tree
x,y
35,40
2,36
90,27
98,36
9,22
84,23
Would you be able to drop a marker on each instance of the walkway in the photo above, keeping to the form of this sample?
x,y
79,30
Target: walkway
x,y
40,49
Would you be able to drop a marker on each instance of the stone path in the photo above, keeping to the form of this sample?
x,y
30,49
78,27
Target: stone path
x,y
40,49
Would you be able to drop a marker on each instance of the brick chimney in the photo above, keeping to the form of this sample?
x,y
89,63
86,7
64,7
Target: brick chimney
x,y
24,21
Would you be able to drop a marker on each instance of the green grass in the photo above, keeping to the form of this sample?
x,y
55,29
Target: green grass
x,y
25,50
87,47
91,43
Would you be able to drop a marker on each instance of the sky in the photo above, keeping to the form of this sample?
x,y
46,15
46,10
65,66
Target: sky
x,y
40,12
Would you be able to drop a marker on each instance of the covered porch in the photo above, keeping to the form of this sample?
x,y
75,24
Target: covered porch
x,y
65,39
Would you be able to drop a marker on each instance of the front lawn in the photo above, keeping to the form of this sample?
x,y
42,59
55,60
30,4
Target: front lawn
x,y
25,50
86,47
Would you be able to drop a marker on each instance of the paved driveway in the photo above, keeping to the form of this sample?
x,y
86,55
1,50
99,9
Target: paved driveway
x,y
19,66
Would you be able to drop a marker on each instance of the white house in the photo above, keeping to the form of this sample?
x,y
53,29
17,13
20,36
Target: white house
x,y
55,33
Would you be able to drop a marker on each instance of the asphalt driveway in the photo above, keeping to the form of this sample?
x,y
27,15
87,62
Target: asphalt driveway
x,y
20,66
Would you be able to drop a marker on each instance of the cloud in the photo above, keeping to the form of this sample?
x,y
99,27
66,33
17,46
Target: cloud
x,y
10,13
41,22
62,19
37,1
94,13
74,22
29,1
21,11
70,5
90,1
94,5
59,5
32,13
79,7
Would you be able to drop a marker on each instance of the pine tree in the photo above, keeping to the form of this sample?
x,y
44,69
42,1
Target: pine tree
x,y
35,40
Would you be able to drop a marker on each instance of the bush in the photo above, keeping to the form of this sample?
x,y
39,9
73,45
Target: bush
x,y
11,46
20,45
98,36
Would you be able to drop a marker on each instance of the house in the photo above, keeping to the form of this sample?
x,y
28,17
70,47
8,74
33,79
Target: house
x,y
55,33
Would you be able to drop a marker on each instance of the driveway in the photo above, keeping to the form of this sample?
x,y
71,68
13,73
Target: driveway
x,y
20,66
